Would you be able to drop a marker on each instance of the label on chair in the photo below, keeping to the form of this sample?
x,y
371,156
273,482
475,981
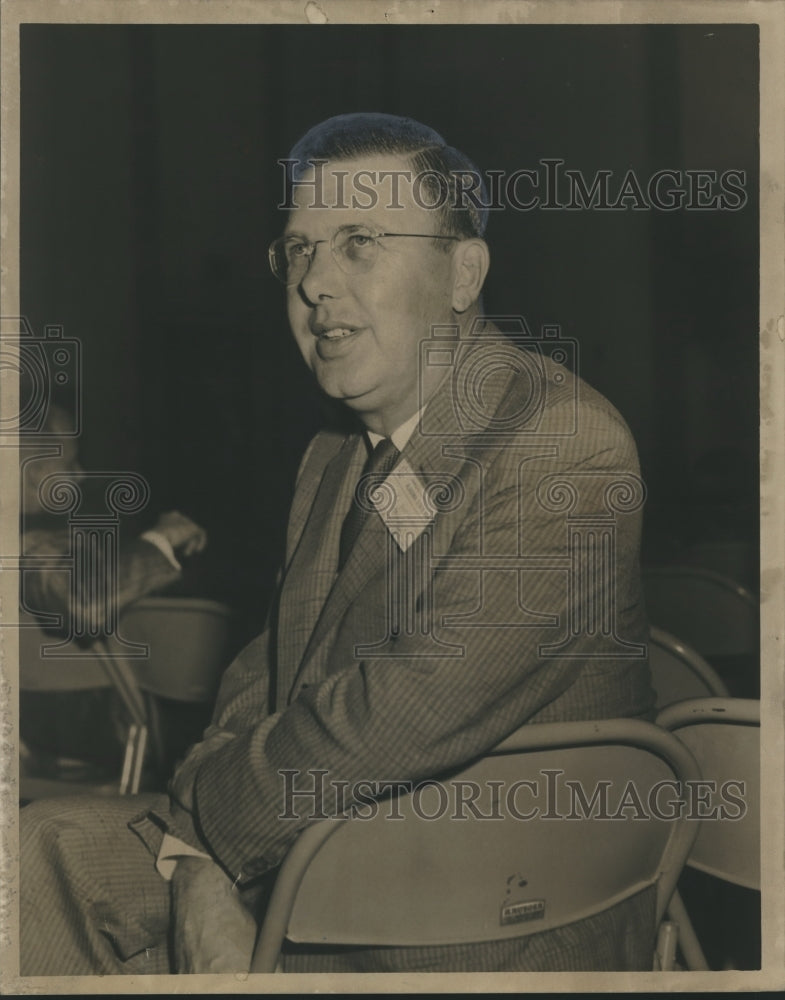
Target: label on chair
x,y
516,913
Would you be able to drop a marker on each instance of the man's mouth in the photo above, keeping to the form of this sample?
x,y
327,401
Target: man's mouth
x,y
333,342
337,333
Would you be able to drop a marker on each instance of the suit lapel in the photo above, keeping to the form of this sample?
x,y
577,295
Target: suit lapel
x,y
311,571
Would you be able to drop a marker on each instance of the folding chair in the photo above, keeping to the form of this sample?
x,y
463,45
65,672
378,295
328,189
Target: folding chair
x,y
707,610
189,642
96,670
736,560
723,734
186,644
678,672
414,881
711,613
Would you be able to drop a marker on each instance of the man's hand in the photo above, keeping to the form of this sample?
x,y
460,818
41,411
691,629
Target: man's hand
x,y
184,535
213,931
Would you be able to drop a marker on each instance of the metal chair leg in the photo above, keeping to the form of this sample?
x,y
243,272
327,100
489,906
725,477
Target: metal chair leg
x,y
665,951
688,941
133,760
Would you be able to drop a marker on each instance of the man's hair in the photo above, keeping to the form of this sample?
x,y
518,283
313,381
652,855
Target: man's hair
x,y
351,136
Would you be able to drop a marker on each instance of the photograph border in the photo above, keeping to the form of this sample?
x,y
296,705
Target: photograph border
x,y
770,16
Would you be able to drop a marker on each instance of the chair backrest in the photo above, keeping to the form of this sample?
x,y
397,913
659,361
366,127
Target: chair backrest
x,y
724,737
189,644
678,672
736,559
41,669
518,842
707,610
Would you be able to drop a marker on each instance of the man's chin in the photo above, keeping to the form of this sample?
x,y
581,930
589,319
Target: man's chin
x,y
352,392
364,401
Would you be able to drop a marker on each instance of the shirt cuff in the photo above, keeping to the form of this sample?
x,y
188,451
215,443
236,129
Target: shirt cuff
x,y
162,543
170,850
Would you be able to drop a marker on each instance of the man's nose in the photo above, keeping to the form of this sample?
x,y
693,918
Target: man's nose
x,y
323,279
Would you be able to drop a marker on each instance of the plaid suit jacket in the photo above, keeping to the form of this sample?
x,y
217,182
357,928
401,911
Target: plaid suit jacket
x,y
519,602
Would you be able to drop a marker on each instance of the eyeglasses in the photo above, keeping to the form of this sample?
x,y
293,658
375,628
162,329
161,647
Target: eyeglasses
x,y
355,249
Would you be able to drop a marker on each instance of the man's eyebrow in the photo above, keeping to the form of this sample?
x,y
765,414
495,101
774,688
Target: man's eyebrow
x,y
363,221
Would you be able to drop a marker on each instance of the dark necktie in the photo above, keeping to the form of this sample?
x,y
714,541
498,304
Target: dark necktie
x,y
377,466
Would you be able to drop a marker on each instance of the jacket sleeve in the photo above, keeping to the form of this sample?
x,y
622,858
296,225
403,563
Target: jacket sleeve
x,y
417,715
242,701
142,569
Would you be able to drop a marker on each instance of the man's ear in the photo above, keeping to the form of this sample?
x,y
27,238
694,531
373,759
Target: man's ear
x,y
471,260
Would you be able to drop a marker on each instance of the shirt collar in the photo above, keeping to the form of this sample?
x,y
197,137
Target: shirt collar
x,y
400,436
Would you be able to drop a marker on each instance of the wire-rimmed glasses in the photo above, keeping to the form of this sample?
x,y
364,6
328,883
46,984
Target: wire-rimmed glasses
x,y
354,248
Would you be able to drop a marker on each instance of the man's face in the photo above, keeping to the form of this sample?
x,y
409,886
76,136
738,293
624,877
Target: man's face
x,y
36,471
360,333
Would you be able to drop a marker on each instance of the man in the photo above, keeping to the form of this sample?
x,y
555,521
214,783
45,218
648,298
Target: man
x,y
356,674
146,564
66,729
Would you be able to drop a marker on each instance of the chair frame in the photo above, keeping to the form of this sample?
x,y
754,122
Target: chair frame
x,y
734,558
691,659
710,578
694,711
744,711
545,736
709,575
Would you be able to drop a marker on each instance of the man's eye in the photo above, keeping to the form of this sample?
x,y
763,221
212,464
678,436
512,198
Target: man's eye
x,y
360,240
298,250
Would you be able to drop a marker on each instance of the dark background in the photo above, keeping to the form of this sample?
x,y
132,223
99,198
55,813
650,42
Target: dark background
x,y
149,193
